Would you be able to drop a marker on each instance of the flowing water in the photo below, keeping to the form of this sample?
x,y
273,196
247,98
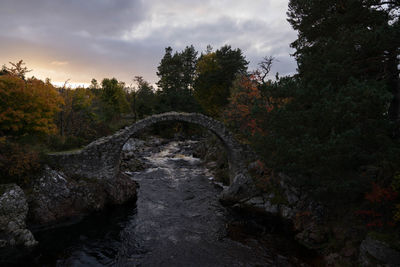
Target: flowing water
x,y
176,221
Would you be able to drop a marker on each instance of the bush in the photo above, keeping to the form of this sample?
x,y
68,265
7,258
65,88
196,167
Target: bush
x,y
18,164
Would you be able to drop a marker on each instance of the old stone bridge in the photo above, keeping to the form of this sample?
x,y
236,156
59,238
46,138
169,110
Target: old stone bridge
x,y
101,158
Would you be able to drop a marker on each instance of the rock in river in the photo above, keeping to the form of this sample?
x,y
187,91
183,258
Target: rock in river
x,y
13,212
56,197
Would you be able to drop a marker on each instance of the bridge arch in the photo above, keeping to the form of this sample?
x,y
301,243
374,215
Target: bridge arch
x,y
101,158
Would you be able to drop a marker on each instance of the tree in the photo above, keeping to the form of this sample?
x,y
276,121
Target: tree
x,y
177,73
216,72
94,84
247,108
113,99
27,107
343,40
336,116
264,68
77,115
143,98
189,60
17,69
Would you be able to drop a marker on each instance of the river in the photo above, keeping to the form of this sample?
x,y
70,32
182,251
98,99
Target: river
x,y
177,220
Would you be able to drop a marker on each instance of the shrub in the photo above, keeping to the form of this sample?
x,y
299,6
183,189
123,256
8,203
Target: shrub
x,y
18,164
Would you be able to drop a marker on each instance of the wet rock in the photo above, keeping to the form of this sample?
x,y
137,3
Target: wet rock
x,y
377,253
120,189
132,156
287,212
132,164
241,189
56,197
312,237
271,208
257,202
215,156
290,203
332,259
132,145
13,212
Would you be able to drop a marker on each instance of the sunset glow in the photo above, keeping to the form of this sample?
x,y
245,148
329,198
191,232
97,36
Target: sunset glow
x,y
79,41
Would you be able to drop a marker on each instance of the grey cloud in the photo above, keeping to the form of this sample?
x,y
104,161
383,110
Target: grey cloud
x,y
244,35
95,17
90,36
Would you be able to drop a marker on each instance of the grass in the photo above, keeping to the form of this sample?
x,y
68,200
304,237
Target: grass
x,y
70,151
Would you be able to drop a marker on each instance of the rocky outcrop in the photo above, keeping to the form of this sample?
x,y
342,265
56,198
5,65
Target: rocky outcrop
x,y
377,253
13,212
131,156
120,189
242,190
277,196
56,197
213,154
284,200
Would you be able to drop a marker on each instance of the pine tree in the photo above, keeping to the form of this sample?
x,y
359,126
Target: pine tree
x,y
337,115
177,73
216,72
343,40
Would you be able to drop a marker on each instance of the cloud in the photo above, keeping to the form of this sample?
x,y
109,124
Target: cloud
x,y
79,40
59,63
95,17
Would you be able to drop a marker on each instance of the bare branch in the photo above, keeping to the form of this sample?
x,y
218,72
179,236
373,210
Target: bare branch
x,y
264,68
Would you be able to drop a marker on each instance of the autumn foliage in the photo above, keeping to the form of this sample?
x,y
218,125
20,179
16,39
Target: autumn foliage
x,y
381,206
27,106
18,163
247,107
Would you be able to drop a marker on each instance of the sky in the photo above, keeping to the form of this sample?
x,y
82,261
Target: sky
x,y
84,39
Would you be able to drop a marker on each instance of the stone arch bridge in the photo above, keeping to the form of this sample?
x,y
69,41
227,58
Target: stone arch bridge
x,y
101,158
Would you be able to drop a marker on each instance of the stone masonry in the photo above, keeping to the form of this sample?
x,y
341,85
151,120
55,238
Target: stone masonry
x,y
101,158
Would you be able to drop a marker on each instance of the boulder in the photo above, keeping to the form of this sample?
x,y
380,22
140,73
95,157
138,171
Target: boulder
x,y
56,197
120,189
241,190
377,253
132,145
13,212
269,207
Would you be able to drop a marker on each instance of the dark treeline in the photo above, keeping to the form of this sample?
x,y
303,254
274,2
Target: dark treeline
x,y
334,125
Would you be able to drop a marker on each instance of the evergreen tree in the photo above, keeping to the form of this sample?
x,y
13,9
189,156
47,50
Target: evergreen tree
x,y
189,60
177,74
336,117
343,40
144,98
216,72
113,99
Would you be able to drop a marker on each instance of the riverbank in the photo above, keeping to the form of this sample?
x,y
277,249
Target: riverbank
x,y
276,212
335,233
177,219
